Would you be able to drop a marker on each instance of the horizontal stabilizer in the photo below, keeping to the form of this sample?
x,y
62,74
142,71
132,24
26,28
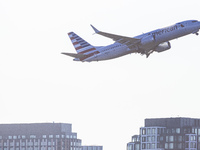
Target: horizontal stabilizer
x,y
80,56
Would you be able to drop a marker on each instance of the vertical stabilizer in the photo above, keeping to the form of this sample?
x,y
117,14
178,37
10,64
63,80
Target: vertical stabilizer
x,y
81,46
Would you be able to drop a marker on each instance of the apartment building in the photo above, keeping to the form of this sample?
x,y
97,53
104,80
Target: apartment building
x,y
38,136
167,134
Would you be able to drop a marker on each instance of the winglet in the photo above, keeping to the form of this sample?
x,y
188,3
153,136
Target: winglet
x,y
96,31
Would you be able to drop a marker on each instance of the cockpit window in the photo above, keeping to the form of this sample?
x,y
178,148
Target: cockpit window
x,y
180,24
194,21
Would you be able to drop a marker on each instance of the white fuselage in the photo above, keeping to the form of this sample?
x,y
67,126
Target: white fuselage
x,y
160,35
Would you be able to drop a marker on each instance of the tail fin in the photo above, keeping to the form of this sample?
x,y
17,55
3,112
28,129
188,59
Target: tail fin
x,y
81,46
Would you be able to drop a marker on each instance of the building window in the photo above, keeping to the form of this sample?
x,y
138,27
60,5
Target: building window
x,y
158,131
23,136
148,131
143,146
14,137
173,131
50,136
143,139
163,130
143,131
44,136
171,145
192,138
32,136
168,130
148,139
171,138
166,145
23,143
130,147
192,130
153,138
186,145
199,131
153,146
11,143
167,139
180,138
148,146
153,131
49,143
137,146
179,145
178,130
192,145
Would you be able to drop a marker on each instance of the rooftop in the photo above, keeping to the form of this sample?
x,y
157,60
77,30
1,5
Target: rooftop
x,y
172,122
35,129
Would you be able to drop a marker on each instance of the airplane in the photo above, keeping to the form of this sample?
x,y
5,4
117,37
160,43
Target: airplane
x,y
145,44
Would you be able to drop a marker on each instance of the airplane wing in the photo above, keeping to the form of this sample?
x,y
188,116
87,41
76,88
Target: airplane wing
x,y
118,38
75,55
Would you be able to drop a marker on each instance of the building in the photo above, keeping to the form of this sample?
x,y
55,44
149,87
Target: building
x,y
38,136
167,134
92,147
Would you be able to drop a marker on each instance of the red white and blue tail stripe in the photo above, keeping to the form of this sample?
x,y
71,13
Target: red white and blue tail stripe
x,y
81,46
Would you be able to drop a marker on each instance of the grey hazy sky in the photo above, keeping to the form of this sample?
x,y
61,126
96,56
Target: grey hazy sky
x,y
106,102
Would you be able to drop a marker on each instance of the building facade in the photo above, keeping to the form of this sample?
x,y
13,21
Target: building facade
x,y
38,136
167,134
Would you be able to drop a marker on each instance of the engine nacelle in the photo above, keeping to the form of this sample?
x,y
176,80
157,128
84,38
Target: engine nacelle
x,y
147,41
163,47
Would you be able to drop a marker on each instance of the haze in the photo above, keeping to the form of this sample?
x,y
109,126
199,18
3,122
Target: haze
x,y
106,102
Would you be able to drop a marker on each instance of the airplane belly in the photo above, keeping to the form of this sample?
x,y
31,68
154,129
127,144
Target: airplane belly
x,y
110,54
118,52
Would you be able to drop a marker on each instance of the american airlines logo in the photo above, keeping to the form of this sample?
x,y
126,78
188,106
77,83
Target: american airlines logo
x,y
165,30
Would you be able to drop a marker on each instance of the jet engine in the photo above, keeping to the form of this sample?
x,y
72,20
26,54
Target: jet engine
x,y
162,47
147,41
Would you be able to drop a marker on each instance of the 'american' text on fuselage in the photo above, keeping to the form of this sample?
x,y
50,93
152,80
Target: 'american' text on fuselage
x,y
165,30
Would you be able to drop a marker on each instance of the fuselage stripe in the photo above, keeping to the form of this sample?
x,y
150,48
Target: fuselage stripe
x,y
84,48
87,56
83,52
